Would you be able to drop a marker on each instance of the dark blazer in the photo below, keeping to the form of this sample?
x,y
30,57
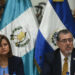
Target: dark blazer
x,y
52,63
15,65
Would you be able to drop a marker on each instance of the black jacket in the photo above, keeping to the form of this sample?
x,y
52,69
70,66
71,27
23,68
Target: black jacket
x,y
52,63
15,65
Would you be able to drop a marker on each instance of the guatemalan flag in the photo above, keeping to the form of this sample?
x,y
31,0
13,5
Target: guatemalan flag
x,y
19,24
57,16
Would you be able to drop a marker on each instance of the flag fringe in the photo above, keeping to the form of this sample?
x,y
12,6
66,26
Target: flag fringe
x,y
38,67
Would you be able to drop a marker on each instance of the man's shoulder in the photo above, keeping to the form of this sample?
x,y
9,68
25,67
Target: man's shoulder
x,y
74,49
73,52
51,55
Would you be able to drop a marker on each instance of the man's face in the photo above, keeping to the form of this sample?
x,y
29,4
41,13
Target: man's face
x,y
65,43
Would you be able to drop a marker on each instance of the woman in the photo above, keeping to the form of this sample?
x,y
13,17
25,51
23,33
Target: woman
x,y
9,64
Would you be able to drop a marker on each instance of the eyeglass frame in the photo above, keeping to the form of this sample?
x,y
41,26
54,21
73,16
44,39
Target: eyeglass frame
x,y
65,40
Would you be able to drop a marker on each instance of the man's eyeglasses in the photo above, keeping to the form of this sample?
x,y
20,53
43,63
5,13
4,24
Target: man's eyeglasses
x,y
65,40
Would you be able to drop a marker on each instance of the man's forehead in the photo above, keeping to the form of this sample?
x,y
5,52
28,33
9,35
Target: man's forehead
x,y
63,35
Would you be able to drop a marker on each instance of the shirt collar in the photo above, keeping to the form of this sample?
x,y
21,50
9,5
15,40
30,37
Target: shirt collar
x,y
62,56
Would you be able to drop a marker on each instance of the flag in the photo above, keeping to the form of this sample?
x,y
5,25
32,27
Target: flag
x,y
19,24
71,4
57,16
72,7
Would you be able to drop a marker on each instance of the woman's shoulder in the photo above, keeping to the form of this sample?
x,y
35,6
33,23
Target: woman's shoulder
x,y
15,59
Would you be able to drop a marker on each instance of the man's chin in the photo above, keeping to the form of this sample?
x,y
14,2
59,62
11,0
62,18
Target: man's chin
x,y
68,52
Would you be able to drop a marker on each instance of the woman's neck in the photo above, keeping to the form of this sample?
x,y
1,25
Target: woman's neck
x,y
3,61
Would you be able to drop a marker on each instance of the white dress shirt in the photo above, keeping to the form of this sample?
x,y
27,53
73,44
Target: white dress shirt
x,y
62,61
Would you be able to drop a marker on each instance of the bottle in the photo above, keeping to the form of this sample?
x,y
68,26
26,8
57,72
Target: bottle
x,y
67,73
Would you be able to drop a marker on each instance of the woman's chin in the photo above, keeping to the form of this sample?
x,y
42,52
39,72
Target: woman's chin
x,y
3,54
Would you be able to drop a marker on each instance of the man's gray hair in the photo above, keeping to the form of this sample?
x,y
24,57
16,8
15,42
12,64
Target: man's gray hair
x,y
64,31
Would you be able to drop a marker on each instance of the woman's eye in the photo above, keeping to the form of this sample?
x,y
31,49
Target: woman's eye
x,y
5,44
0,45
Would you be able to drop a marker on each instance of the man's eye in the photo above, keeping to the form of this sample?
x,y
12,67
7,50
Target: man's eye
x,y
64,40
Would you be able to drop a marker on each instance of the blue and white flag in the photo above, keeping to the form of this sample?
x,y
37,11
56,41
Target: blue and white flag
x,y
19,24
72,4
57,16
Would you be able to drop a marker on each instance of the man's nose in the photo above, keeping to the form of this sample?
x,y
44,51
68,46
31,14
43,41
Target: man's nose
x,y
68,42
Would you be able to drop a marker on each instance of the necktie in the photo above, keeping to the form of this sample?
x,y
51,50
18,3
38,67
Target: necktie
x,y
65,66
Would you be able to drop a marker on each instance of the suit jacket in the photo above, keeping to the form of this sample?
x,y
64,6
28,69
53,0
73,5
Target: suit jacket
x,y
52,63
15,65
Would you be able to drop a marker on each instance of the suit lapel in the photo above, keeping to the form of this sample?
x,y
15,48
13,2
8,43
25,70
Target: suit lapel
x,y
57,63
10,66
72,69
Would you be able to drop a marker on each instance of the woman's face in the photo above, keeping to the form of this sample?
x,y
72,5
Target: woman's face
x,y
4,47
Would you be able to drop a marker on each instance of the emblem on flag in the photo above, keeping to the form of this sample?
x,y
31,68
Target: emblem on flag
x,y
54,38
20,37
58,0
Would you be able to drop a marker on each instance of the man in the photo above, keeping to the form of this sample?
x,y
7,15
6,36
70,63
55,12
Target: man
x,y
54,63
